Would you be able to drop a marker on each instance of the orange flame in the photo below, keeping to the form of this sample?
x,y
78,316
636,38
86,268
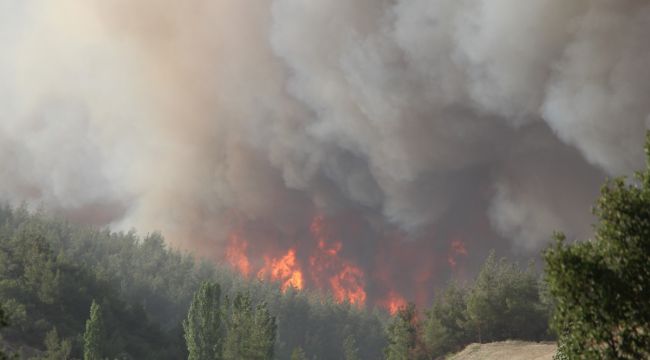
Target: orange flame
x,y
393,302
348,285
345,279
326,268
285,269
236,254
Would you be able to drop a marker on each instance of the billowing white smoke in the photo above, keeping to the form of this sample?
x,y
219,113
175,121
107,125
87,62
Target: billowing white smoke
x,y
169,114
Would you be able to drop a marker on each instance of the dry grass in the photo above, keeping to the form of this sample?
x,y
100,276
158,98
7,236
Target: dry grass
x,y
507,350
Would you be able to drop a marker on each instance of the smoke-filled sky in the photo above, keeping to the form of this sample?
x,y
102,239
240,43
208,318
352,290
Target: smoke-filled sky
x,y
423,132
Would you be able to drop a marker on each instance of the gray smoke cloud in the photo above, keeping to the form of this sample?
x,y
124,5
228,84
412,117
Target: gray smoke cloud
x,y
495,119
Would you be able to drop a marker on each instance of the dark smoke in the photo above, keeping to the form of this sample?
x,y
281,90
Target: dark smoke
x,y
491,122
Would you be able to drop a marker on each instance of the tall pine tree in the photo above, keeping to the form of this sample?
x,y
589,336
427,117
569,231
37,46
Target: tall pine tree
x,y
403,335
203,324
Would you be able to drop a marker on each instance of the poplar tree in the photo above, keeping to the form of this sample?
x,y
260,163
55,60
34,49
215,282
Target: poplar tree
x,y
94,334
239,327
202,326
263,334
250,333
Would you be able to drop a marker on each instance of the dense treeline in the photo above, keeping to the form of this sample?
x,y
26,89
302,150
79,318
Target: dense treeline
x,y
505,301
51,271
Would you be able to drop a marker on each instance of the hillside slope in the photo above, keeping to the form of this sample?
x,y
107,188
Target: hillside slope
x,y
511,350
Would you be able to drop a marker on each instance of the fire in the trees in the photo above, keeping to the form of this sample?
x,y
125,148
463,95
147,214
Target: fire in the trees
x,y
320,261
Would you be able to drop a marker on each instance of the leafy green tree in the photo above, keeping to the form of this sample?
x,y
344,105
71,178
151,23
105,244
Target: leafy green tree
x,y
263,334
94,335
240,322
55,348
203,323
505,303
445,328
403,335
350,348
250,333
602,286
298,354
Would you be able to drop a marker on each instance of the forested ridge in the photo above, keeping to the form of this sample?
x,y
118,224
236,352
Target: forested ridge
x,y
53,270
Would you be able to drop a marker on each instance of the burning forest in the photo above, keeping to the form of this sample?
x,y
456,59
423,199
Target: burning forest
x,y
368,150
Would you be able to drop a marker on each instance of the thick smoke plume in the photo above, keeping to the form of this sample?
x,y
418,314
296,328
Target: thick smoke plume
x,y
423,132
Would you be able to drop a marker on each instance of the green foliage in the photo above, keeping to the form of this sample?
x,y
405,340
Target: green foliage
x,y
505,303
50,270
561,354
403,335
3,323
446,327
55,348
350,348
203,324
250,332
43,288
263,334
601,287
94,334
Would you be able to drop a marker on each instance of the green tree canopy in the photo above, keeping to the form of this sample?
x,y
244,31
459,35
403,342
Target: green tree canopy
x,y
94,335
505,303
250,333
55,348
350,348
601,287
446,326
263,334
203,323
403,335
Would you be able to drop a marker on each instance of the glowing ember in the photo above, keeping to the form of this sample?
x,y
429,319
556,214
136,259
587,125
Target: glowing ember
x,y
285,269
236,254
393,303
